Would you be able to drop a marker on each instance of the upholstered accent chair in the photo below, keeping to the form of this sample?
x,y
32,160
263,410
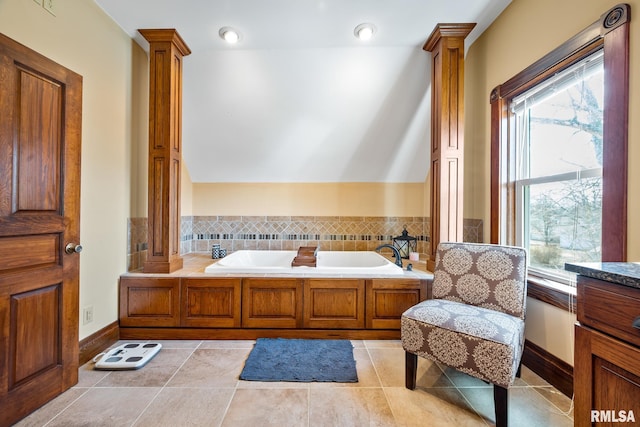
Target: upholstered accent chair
x,y
475,321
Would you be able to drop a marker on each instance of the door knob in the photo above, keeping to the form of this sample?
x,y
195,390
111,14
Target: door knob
x,y
72,248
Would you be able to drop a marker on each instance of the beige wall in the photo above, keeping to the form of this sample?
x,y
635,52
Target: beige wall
x,y
523,33
186,192
81,37
326,199
139,162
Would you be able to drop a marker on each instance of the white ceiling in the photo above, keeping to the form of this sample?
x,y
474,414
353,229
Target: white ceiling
x,y
299,98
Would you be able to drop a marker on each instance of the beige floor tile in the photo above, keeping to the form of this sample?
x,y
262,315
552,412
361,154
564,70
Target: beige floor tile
x,y
227,344
367,375
383,343
51,409
108,407
390,366
211,368
435,407
186,407
155,373
349,407
556,398
526,407
178,343
268,407
201,387
88,377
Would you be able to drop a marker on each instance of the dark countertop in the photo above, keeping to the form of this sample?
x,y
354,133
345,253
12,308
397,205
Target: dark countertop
x,y
623,273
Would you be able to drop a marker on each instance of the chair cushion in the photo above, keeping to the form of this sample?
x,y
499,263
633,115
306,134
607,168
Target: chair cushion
x,y
483,275
481,342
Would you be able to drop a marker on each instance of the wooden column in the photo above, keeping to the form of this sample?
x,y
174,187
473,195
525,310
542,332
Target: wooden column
x,y
446,44
165,148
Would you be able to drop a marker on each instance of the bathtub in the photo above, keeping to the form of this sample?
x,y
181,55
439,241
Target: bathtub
x,y
329,263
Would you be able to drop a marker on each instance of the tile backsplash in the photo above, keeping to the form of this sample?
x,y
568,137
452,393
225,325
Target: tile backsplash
x,y
337,233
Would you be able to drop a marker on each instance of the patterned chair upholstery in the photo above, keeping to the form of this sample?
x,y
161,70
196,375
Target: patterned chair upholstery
x,y
475,321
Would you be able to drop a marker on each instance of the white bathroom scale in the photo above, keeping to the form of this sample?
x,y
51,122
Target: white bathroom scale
x,y
128,356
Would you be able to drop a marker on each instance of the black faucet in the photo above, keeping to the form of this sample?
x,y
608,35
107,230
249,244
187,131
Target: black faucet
x,y
396,253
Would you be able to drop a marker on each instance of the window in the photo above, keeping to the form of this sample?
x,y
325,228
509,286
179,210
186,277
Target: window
x,y
558,143
559,153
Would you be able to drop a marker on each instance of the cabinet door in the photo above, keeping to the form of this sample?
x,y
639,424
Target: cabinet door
x,y
606,379
271,303
387,299
213,303
334,303
149,301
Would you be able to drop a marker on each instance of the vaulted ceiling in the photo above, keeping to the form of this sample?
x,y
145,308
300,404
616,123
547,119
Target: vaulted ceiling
x,y
299,98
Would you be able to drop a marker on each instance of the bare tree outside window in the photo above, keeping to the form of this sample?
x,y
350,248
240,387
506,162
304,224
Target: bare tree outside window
x,y
560,129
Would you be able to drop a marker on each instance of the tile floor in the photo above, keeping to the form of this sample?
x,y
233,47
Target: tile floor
x,y
195,383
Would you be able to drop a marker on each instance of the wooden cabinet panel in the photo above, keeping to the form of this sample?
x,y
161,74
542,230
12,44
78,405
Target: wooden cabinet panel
x,y
334,303
272,303
388,299
211,302
149,301
606,377
606,371
162,301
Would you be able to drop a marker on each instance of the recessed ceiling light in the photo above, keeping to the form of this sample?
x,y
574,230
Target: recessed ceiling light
x,y
364,31
229,35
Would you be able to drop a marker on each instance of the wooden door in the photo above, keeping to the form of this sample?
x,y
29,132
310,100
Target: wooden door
x,y
40,118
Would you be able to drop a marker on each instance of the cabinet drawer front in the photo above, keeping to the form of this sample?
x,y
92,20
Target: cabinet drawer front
x,y
609,308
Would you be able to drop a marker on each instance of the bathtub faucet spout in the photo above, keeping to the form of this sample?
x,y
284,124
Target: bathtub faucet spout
x,y
396,253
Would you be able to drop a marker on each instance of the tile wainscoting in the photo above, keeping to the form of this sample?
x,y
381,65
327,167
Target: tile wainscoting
x,y
337,233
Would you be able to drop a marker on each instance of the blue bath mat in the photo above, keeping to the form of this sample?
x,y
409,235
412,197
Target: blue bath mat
x,y
299,360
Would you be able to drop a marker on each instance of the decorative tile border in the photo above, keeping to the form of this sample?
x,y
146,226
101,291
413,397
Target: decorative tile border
x,y
290,232
349,233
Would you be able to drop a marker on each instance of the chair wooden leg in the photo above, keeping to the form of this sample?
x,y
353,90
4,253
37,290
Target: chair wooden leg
x,y
519,371
410,370
500,399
